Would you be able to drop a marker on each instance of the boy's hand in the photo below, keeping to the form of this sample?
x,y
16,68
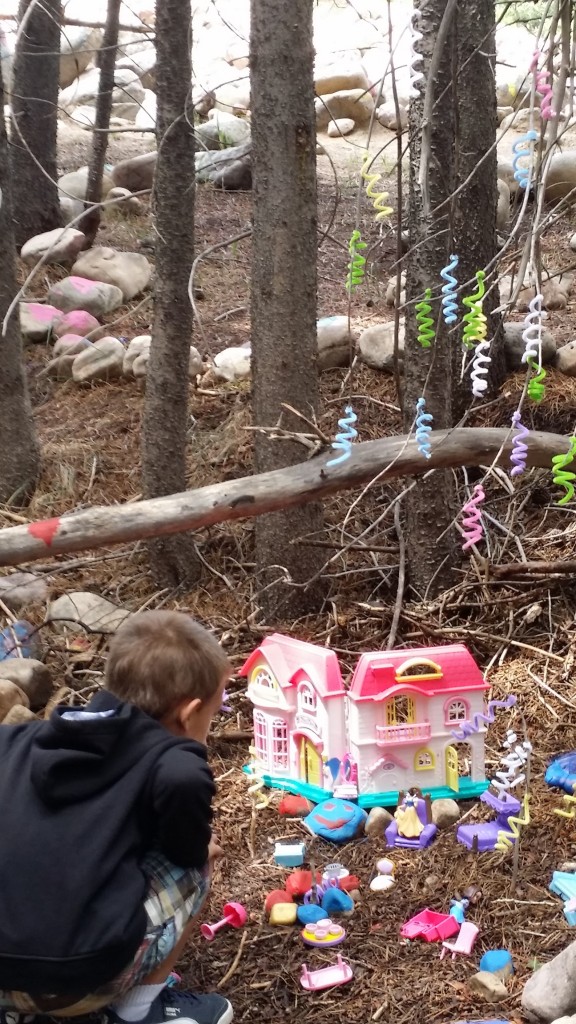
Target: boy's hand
x,y
215,852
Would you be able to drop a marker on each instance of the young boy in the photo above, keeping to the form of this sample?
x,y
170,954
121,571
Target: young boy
x,y
105,839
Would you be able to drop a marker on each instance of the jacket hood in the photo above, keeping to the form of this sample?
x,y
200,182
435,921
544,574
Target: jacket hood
x,y
78,756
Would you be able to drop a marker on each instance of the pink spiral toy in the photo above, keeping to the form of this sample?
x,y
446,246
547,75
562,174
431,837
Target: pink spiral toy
x,y
472,519
543,87
520,449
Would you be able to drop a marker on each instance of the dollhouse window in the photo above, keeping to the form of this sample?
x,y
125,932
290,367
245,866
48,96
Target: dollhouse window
x,y
424,760
307,697
279,743
456,711
263,678
260,737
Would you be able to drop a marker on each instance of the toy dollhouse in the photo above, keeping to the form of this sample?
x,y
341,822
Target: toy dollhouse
x,y
390,730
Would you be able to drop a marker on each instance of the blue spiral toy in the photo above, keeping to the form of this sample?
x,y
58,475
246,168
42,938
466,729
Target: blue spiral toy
x,y
423,428
524,147
344,439
449,295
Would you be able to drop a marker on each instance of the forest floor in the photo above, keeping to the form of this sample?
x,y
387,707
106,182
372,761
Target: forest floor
x,y
522,632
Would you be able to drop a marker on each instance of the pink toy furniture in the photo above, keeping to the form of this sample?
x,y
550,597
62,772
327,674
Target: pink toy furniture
x,y
327,977
463,942
430,926
234,915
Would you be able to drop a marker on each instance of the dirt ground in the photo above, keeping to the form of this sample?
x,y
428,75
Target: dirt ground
x,y
521,630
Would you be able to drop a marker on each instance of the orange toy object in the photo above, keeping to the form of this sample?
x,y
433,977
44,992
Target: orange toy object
x,y
277,896
299,882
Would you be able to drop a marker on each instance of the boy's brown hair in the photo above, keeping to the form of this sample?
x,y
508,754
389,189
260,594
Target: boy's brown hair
x,y
158,659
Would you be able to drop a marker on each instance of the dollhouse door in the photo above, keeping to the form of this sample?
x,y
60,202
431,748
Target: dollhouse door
x,y
452,768
310,763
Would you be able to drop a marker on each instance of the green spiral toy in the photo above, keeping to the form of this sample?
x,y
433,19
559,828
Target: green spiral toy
x,y
536,388
475,320
424,320
357,263
561,476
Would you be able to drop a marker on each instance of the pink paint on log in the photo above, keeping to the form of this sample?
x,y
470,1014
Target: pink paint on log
x,y
45,530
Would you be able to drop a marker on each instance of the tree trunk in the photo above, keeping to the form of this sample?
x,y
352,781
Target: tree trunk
x,y
33,138
283,302
174,560
19,454
476,158
104,102
431,507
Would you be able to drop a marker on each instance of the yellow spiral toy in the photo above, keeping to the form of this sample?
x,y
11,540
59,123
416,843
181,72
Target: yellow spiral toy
x,y
378,198
504,840
256,781
567,800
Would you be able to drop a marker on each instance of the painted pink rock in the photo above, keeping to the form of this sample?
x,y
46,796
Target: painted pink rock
x,y
70,345
37,319
77,322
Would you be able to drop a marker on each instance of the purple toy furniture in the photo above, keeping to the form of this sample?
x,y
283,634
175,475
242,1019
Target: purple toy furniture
x,y
422,808
482,837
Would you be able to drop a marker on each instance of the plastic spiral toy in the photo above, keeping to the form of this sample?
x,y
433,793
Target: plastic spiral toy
x,y
570,801
514,762
536,388
343,441
472,519
532,333
449,294
479,375
467,728
378,198
475,320
416,77
423,428
524,147
505,840
254,776
519,449
543,87
356,267
563,477
424,320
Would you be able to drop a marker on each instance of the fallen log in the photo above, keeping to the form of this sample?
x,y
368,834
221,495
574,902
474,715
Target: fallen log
x,y
251,496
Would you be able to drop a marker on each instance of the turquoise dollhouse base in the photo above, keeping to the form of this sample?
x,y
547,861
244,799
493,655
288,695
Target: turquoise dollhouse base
x,y
468,790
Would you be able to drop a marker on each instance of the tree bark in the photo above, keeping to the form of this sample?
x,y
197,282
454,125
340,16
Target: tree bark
x,y
104,102
33,139
430,508
476,158
19,453
283,304
257,495
174,560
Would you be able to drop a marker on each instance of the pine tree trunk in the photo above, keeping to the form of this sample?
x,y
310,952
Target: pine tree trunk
x,y
284,246
174,560
19,454
430,507
108,54
33,137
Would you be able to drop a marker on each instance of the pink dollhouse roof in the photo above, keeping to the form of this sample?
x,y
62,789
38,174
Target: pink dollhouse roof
x,y
375,676
289,659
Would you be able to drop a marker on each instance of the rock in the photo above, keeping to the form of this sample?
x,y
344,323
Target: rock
x,y
503,208
335,341
561,177
139,348
551,991
19,715
37,320
568,865
520,121
336,901
228,169
146,116
33,678
143,64
70,209
87,609
565,1020
136,173
60,368
378,819
19,589
557,291
514,346
123,200
93,297
233,97
195,363
388,117
222,131
390,297
59,246
70,345
506,173
10,695
276,896
503,112
342,126
74,184
566,359
354,104
78,47
77,322
336,820
102,361
445,812
232,363
376,345
382,883
283,913
128,271
334,78
488,986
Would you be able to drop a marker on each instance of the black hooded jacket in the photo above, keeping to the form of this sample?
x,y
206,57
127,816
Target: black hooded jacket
x,y
81,803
